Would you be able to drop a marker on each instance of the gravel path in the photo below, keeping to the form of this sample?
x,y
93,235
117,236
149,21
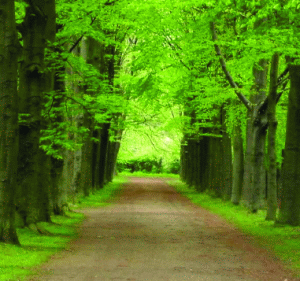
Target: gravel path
x,y
152,233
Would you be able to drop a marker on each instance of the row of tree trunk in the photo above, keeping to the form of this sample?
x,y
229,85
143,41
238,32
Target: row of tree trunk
x,y
219,164
33,184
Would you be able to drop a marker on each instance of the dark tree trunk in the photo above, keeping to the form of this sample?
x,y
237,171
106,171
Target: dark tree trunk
x,y
238,165
113,149
183,159
38,27
9,121
248,173
289,212
204,162
254,178
103,153
226,161
96,159
86,160
58,183
272,122
198,167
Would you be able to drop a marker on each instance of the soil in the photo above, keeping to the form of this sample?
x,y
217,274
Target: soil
x,y
153,233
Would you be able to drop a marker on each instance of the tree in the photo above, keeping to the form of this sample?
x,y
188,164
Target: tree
x,y
34,165
9,50
289,212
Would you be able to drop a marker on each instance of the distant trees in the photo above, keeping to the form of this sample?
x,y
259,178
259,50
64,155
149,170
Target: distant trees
x,y
212,58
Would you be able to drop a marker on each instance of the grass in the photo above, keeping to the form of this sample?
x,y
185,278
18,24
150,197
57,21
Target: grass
x,y
148,175
17,263
283,241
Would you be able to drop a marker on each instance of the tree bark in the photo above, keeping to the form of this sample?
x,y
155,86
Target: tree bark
x,y
226,163
9,121
103,153
38,27
259,131
248,173
289,212
272,125
238,165
183,159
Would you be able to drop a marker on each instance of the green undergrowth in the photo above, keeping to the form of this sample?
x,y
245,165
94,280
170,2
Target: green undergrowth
x,y
148,175
283,241
17,263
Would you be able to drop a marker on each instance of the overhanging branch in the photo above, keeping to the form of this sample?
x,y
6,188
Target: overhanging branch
x,y
229,78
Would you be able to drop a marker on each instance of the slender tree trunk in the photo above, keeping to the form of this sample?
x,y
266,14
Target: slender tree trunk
x,y
289,212
248,173
9,121
272,174
198,168
204,162
226,163
73,159
112,157
86,165
96,159
238,165
58,183
103,153
183,159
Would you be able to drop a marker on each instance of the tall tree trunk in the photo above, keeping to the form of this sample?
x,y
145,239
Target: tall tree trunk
x,y
112,158
183,159
198,167
248,173
9,121
87,158
238,165
103,153
96,159
204,162
58,185
254,178
272,174
289,212
226,161
37,28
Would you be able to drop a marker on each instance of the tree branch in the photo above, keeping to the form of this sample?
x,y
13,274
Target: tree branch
x,y
229,78
174,49
281,76
80,38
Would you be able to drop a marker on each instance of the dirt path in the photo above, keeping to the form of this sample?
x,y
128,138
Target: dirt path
x,y
152,233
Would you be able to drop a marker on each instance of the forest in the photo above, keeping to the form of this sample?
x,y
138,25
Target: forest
x,y
213,86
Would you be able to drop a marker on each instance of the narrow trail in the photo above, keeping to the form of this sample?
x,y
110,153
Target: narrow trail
x,y
153,233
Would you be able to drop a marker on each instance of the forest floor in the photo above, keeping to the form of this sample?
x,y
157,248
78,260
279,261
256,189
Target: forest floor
x,y
153,233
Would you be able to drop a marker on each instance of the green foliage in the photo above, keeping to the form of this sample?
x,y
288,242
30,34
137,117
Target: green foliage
x,y
152,136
